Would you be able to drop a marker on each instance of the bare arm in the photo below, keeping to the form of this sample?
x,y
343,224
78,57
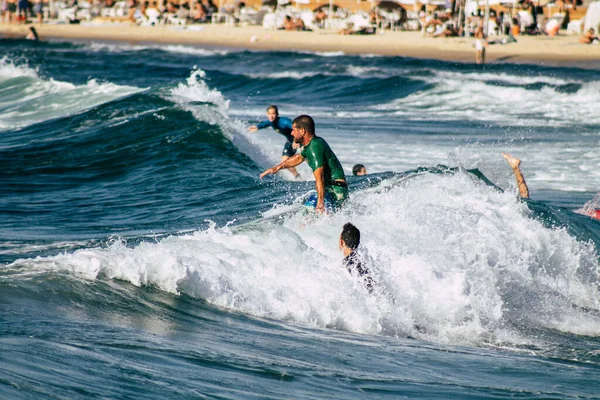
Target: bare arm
x,y
320,183
523,189
515,164
290,162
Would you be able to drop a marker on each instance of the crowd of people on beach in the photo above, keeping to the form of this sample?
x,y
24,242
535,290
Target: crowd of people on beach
x,y
134,11
500,27
443,20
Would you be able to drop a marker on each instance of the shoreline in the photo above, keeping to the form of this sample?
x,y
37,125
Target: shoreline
x,y
540,50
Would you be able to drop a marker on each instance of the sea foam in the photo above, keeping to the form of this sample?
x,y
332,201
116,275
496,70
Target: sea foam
x,y
455,260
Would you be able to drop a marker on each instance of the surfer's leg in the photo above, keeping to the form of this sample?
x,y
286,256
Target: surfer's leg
x,y
288,151
292,170
515,164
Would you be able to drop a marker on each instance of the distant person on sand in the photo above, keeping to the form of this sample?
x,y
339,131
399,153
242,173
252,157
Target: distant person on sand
x,y
11,10
320,18
349,241
589,37
283,126
293,24
591,208
330,181
288,24
359,170
38,10
480,45
23,7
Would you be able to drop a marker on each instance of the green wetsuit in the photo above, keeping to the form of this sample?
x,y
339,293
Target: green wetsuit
x,y
318,154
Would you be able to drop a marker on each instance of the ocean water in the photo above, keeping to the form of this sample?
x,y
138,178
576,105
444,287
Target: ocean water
x,y
142,257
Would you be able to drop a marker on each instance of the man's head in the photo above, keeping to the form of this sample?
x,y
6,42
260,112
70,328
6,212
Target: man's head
x,y
350,236
592,31
359,170
302,127
272,113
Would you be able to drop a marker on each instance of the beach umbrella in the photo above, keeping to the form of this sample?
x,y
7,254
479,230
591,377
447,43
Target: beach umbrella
x,y
335,7
395,12
389,5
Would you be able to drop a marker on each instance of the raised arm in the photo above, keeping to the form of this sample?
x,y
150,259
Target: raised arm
x,y
515,164
290,162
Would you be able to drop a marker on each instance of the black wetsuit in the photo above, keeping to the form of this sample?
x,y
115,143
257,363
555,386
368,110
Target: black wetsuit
x,y
353,263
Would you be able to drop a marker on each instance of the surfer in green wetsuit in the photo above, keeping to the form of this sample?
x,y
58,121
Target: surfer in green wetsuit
x,y
332,189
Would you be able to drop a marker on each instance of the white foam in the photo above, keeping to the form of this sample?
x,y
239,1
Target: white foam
x,y
459,258
349,70
9,70
181,49
29,98
285,74
475,97
264,150
323,53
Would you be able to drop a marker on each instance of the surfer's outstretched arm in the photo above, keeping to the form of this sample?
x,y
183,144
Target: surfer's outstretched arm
x,y
290,162
515,164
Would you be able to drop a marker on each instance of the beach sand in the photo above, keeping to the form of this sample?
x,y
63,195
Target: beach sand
x,y
559,50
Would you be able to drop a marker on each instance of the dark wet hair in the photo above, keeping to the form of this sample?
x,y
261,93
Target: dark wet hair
x,y
351,235
35,34
305,122
273,107
357,168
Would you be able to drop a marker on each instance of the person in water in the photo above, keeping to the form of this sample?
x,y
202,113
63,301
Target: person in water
x,y
330,181
349,241
283,126
591,208
359,170
32,35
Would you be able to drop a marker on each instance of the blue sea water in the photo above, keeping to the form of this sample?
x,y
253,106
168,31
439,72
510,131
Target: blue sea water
x,y
142,257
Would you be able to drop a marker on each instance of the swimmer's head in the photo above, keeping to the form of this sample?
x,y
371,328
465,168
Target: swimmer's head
x,y
359,170
272,113
350,236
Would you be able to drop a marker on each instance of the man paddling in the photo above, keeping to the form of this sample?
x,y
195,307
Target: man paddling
x,y
332,189
283,126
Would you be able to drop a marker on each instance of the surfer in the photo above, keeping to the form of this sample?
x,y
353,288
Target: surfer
x,y
591,208
349,241
283,126
332,189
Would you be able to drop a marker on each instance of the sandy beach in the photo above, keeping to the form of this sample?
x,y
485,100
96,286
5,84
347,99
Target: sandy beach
x,y
559,50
